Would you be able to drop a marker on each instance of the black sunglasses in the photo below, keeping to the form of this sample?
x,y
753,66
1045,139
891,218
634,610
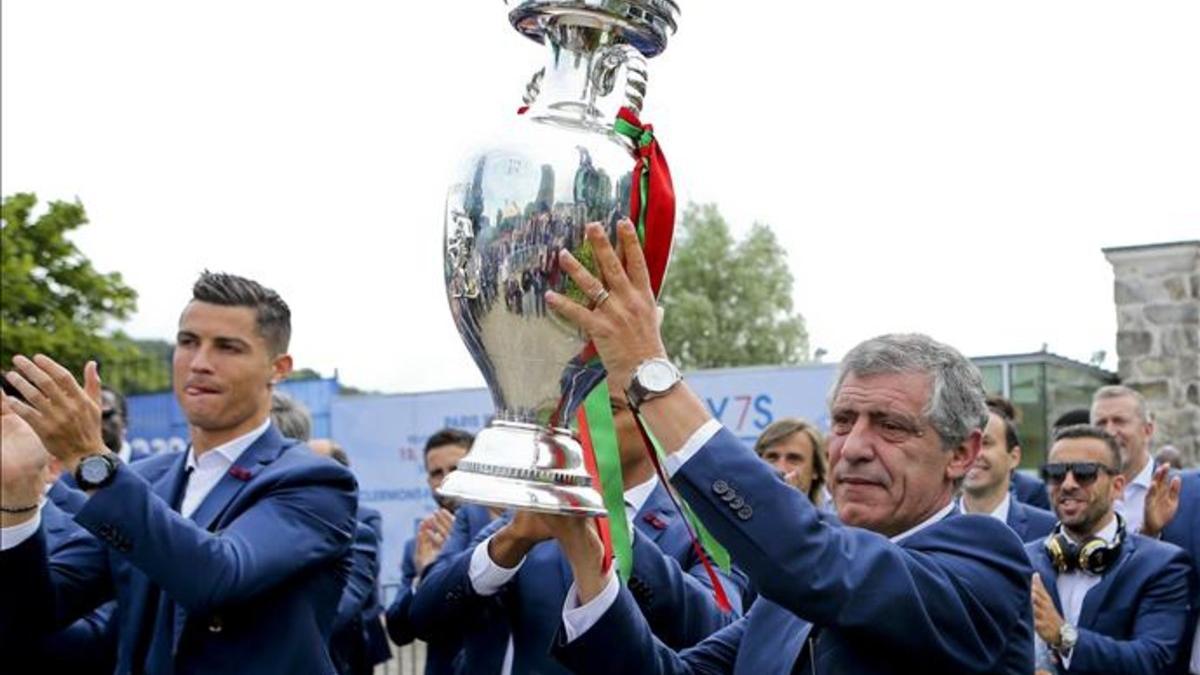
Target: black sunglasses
x,y
1084,472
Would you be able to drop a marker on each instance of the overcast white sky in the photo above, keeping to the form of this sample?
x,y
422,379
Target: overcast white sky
x,y
949,167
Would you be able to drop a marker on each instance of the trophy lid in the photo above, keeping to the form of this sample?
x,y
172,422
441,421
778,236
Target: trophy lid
x,y
644,24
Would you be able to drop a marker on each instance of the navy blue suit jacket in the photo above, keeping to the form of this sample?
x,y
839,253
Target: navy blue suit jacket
x,y
348,645
1030,490
950,598
1184,532
1029,522
444,652
667,580
1133,621
89,645
377,647
249,584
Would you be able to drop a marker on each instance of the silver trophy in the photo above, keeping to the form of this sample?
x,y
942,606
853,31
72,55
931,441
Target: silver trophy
x,y
556,167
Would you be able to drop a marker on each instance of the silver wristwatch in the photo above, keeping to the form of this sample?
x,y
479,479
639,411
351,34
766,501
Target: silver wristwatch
x,y
651,379
1067,637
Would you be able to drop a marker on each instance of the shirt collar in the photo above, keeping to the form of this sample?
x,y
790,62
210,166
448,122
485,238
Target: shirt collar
x,y
945,511
1144,476
1001,510
232,450
637,495
126,451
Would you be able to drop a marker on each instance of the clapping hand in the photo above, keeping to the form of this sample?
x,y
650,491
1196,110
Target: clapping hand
x,y
1046,619
431,537
64,415
23,460
1162,501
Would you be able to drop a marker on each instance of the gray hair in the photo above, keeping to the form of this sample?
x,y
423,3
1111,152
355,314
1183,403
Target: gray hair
x,y
290,416
956,406
1120,390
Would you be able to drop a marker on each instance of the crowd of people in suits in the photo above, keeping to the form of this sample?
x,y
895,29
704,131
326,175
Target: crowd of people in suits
x,y
904,539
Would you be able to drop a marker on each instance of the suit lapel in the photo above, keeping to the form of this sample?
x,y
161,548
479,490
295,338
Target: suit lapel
x,y
261,452
1095,596
1049,575
1016,518
654,518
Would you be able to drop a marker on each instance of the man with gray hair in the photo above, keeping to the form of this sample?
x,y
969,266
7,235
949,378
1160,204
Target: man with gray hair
x,y
291,416
903,583
1153,503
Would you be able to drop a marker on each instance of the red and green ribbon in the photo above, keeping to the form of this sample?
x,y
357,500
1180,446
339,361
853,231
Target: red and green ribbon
x,y
598,431
653,204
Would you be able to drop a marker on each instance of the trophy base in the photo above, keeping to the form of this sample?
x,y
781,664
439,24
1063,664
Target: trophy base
x,y
526,467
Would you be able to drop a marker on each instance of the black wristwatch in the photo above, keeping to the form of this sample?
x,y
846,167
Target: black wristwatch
x,y
96,471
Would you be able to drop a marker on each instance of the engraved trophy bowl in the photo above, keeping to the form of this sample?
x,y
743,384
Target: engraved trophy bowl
x,y
514,205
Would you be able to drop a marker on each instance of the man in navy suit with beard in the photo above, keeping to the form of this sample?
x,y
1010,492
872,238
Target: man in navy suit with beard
x,y
228,558
1106,599
902,584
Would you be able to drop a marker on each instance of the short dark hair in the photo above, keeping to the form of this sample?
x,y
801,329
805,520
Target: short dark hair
x,y
1002,407
1090,431
449,436
118,402
1073,417
273,316
1011,439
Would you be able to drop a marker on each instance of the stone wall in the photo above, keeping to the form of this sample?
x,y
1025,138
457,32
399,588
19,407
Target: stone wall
x,y
1157,293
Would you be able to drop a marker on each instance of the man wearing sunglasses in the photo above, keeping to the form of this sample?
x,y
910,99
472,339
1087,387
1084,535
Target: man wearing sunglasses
x,y
1105,599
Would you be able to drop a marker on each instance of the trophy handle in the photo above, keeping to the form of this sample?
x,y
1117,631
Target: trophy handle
x,y
609,62
533,88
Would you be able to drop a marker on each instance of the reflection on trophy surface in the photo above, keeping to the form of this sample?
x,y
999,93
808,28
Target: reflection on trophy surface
x,y
515,205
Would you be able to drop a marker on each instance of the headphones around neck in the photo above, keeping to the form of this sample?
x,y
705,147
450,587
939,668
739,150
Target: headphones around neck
x,y
1094,555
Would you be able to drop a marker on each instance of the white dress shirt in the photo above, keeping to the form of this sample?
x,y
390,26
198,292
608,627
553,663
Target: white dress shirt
x,y
1132,503
487,577
577,618
999,513
208,469
1073,587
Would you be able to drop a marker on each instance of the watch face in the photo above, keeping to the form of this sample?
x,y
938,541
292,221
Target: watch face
x,y
657,376
94,469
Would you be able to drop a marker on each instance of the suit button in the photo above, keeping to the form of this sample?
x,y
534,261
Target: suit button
x,y
745,512
720,487
729,496
216,625
736,503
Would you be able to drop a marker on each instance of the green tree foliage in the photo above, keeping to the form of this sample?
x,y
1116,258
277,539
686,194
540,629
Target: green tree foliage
x,y
729,303
52,300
